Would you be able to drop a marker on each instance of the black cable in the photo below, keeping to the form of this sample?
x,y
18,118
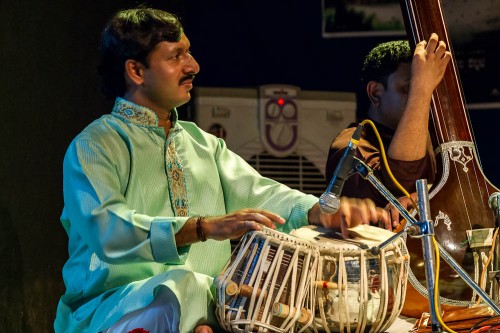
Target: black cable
x,y
483,321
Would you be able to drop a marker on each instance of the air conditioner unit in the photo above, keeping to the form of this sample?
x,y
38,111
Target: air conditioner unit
x,y
281,130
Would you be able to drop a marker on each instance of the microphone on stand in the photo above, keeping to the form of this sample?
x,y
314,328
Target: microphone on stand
x,y
329,201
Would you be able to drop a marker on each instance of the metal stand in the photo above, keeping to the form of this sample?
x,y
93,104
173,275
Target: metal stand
x,y
427,230
422,229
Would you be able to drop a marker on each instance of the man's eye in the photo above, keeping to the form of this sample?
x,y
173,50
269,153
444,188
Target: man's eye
x,y
175,55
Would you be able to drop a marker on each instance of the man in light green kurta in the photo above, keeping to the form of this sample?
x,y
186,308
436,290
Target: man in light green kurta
x,y
144,191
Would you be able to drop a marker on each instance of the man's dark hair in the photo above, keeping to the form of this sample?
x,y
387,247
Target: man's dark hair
x,y
132,34
384,59
380,62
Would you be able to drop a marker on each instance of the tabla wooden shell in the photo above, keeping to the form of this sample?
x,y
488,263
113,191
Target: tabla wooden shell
x,y
267,285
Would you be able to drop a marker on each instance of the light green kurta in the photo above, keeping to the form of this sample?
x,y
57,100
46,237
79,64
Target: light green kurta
x,y
127,190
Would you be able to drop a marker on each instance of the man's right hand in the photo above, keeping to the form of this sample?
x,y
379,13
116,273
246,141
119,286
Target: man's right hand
x,y
429,64
394,213
236,224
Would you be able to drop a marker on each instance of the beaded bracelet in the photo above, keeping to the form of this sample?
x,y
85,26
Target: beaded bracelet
x,y
199,229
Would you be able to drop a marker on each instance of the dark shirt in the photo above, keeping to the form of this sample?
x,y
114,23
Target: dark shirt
x,y
405,172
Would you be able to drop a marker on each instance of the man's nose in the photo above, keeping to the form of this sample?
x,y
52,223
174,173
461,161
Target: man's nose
x,y
192,65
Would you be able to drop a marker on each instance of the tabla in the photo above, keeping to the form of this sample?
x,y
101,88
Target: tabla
x,y
267,285
357,291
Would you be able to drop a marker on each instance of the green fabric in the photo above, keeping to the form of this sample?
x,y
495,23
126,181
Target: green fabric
x,y
120,216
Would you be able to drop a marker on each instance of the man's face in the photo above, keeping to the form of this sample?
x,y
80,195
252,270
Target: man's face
x,y
169,76
393,99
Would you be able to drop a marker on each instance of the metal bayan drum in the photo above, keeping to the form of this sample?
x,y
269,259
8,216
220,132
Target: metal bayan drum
x,y
357,291
267,285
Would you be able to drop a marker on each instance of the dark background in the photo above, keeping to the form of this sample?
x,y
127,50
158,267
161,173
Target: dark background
x,y
50,90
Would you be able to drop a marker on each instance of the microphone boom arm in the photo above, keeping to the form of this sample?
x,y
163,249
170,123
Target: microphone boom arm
x,y
366,172
416,229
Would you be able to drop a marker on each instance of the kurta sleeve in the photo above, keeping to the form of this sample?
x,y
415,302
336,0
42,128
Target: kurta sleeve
x,y
244,187
96,177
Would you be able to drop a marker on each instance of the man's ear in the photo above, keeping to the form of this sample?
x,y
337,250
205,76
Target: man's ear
x,y
374,90
134,71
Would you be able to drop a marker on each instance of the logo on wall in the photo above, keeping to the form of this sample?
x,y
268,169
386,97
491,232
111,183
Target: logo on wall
x,y
278,120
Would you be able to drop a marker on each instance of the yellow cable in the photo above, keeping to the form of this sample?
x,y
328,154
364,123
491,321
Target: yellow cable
x,y
386,164
436,287
436,247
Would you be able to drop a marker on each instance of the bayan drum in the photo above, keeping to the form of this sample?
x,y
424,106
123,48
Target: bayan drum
x,y
267,285
356,290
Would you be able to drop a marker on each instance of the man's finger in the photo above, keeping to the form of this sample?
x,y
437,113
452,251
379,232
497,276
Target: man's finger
x,y
433,42
394,216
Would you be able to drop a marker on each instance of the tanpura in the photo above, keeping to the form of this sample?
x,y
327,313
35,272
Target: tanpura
x,y
459,197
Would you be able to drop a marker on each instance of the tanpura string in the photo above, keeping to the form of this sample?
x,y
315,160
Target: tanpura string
x,y
457,173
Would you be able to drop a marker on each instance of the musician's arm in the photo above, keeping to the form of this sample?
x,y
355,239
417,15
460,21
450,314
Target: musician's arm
x,y
230,226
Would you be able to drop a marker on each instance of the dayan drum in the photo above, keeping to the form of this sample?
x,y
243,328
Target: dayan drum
x,y
266,287
356,290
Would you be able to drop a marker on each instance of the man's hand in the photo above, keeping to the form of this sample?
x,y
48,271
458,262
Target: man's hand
x,y
236,224
230,226
351,213
394,213
429,64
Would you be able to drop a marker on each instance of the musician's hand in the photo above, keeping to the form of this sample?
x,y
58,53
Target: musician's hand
x,y
429,64
236,224
394,213
351,213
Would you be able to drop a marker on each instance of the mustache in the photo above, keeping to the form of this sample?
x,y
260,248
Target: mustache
x,y
189,77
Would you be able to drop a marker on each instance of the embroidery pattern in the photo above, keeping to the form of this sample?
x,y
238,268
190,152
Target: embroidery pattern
x,y
134,113
142,116
177,181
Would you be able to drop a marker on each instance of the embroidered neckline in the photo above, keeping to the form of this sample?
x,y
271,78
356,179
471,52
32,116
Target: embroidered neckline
x,y
138,114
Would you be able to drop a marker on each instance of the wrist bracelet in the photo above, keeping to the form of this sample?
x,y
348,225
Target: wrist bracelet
x,y
199,229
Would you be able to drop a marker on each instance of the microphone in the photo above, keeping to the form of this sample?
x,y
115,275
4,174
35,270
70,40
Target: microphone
x,y
329,201
493,202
